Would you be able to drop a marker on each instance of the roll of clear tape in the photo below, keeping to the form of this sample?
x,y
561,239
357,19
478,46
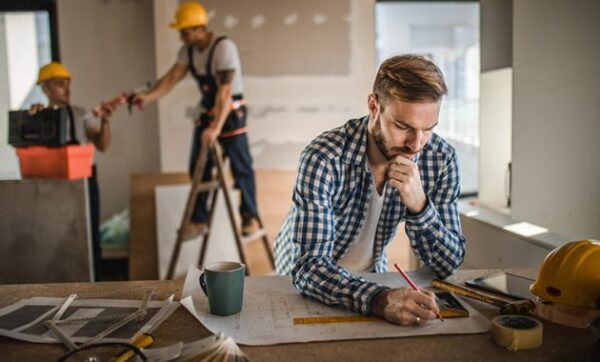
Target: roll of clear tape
x,y
517,332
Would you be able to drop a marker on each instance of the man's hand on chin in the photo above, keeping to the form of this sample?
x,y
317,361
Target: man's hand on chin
x,y
403,174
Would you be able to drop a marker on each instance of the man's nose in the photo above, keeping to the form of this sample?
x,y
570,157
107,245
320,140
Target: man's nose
x,y
414,140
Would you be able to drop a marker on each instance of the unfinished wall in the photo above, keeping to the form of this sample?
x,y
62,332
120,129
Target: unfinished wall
x,y
271,43
108,46
293,94
556,116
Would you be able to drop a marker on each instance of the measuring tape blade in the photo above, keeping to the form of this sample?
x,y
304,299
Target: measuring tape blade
x,y
334,319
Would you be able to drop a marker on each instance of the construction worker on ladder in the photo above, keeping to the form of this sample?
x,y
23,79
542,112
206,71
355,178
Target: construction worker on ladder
x,y
214,62
55,81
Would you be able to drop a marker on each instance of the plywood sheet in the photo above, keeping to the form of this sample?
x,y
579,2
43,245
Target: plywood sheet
x,y
142,235
170,204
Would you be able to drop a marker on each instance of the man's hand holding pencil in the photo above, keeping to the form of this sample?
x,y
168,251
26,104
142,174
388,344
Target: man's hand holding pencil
x,y
406,306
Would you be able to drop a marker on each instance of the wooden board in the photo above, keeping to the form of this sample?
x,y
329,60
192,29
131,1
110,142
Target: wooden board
x,y
143,263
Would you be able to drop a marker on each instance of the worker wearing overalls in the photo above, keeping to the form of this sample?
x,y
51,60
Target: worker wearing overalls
x,y
215,65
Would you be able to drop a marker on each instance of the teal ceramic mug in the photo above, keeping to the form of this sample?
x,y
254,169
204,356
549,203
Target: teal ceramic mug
x,y
223,284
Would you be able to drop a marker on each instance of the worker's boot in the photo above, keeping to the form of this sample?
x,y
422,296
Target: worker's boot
x,y
193,229
250,225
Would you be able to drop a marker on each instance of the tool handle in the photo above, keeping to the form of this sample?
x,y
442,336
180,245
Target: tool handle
x,y
124,97
465,292
112,103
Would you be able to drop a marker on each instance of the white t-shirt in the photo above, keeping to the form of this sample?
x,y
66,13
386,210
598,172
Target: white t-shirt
x,y
82,125
225,57
359,256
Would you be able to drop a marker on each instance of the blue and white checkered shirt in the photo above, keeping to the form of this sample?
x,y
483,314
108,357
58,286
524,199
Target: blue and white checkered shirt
x,y
328,211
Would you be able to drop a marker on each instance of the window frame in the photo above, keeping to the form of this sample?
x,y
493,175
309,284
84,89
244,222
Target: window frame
x,y
38,5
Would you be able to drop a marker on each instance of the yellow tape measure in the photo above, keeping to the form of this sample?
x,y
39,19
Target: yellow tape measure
x,y
335,319
446,313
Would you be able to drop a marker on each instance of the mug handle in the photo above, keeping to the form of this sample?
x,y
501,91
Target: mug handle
x,y
203,284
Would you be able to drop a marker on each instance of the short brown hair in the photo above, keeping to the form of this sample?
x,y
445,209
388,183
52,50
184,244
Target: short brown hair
x,y
409,78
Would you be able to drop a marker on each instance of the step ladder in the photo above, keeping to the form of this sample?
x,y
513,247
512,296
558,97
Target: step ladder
x,y
214,186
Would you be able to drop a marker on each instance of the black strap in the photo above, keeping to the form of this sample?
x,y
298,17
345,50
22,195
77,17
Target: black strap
x,y
211,54
211,51
74,139
191,67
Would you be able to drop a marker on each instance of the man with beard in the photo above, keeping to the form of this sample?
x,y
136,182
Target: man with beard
x,y
356,183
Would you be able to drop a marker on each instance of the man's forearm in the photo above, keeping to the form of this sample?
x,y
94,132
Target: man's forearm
x,y
166,83
436,238
162,87
321,279
222,108
102,139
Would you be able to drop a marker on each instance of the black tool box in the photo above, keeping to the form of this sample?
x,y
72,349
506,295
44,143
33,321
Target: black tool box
x,y
47,127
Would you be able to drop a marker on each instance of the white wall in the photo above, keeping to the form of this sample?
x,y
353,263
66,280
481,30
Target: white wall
x,y
495,107
497,248
556,119
495,125
285,112
108,45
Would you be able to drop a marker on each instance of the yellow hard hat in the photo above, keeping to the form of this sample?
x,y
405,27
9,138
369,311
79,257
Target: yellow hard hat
x,y
570,275
53,70
189,14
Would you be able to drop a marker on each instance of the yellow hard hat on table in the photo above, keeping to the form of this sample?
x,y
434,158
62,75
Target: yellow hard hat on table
x,y
53,70
189,14
570,275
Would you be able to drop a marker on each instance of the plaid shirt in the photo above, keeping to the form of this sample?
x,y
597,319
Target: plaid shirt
x,y
332,189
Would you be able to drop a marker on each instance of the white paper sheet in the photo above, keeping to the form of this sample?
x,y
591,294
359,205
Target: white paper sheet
x,y
271,304
24,319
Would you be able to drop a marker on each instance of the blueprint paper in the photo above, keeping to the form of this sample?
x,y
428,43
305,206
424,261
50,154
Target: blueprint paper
x,y
271,304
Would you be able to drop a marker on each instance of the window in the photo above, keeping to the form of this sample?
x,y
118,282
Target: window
x,y
27,41
448,34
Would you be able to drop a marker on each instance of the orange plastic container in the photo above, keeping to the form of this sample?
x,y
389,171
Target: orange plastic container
x,y
68,162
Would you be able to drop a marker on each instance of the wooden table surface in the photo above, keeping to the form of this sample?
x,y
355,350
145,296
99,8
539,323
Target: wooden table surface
x,y
560,343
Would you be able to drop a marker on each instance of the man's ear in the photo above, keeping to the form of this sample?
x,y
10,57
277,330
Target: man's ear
x,y
44,86
373,105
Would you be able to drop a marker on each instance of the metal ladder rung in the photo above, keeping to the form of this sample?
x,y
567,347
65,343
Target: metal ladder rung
x,y
254,236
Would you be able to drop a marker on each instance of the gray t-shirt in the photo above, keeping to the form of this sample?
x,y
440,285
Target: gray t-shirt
x,y
225,57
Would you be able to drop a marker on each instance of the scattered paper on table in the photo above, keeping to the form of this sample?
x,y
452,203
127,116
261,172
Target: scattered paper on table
x,y
24,320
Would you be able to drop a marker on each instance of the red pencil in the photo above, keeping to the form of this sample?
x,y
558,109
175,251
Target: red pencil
x,y
412,284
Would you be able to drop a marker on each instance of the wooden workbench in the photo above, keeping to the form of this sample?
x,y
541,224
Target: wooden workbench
x,y
560,343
